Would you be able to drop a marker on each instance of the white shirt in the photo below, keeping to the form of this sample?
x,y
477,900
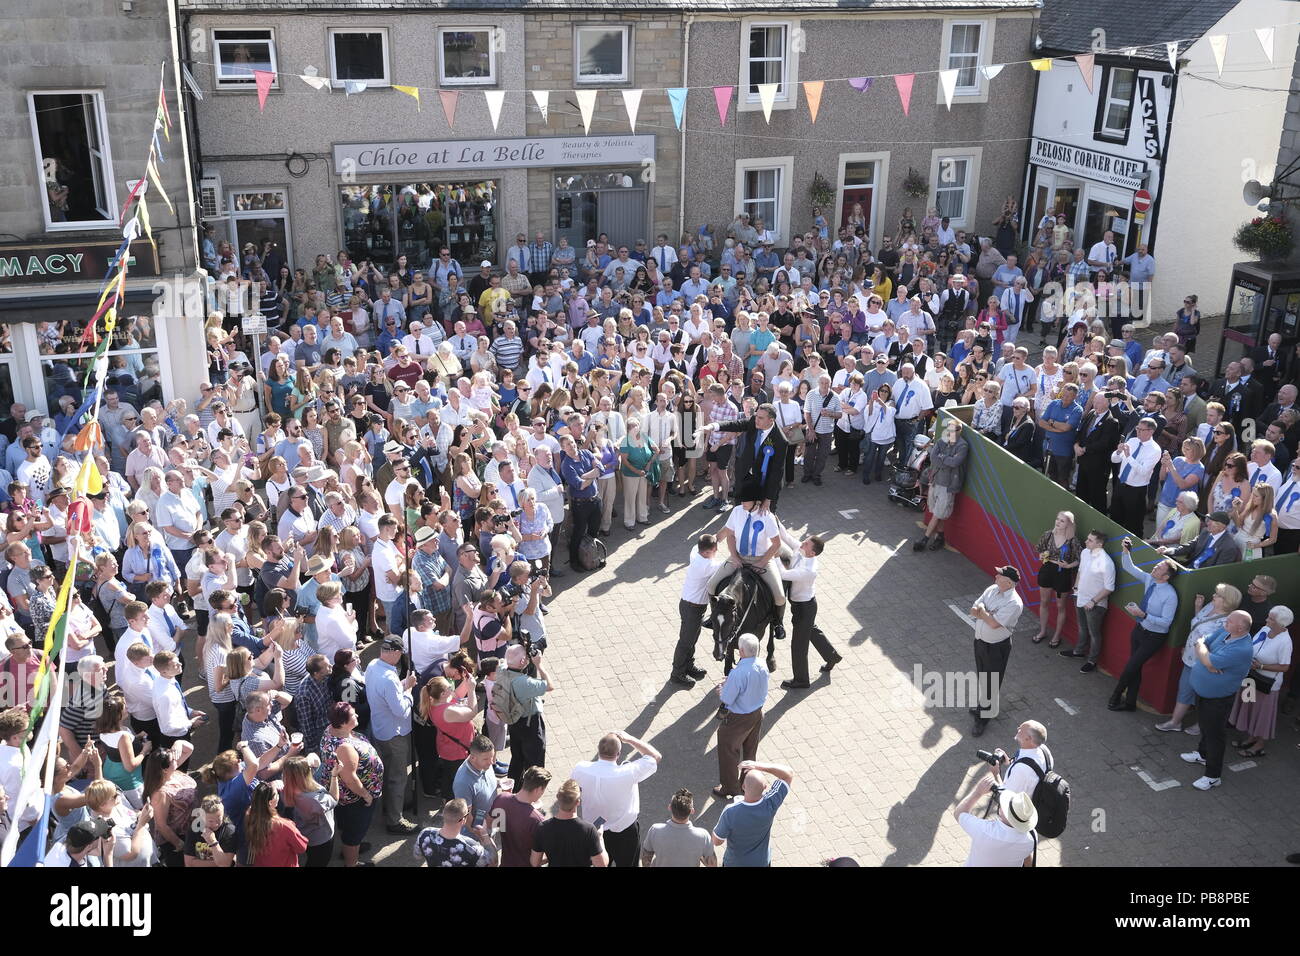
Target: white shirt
x,y
1266,474
610,790
695,589
180,511
802,575
159,633
1006,607
762,528
1096,574
912,398
237,544
137,687
1141,462
296,527
1102,252
427,646
993,843
384,558
1273,650
124,643
335,631
853,404
173,719
11,778
1288,505
1022,779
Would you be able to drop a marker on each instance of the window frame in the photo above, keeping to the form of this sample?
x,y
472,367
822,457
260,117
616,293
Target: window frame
x,y
338,84
979,93
456,81
973,155
782,201
237,215
229,85
785,98
604,79
1101,132
100,119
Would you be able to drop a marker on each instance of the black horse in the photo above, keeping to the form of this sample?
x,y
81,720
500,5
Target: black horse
x,y
743,604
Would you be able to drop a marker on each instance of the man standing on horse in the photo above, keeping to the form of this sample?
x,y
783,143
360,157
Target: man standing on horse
x,y
753,536
760,453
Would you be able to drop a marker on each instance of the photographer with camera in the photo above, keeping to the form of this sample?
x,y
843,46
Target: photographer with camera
x,y
1008,840
517,699
528,585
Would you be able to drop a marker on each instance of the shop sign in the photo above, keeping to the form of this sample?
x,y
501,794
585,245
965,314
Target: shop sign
x,y
71,262
460,155
1088,163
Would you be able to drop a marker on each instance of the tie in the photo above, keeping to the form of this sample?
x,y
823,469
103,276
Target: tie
x,y
1146,596
1128,466
185,702
171,627
1259,473
1017,310
745,535
513,496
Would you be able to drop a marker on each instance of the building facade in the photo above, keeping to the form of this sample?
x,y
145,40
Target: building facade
x,y
79,102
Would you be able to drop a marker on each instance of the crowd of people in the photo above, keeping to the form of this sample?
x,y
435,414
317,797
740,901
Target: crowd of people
x,y
403,468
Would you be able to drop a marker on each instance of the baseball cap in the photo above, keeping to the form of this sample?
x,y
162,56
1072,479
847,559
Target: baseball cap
x,y
391,644
591,243
86,832
485,264
1007,571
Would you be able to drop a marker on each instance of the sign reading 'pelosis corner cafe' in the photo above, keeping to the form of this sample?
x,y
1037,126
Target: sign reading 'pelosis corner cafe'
x,y
1089,163
471,154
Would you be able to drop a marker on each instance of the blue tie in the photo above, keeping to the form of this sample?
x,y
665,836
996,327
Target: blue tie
x,y
1259,473
902,402
745,535
1146,596
513,496
188,712
171,627
1128,466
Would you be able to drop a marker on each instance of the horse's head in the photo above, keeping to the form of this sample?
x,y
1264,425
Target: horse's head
x,y
726,606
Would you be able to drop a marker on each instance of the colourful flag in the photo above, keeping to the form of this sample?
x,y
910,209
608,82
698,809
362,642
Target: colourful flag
x,y
1086,62
411,91
152,169
860,83
812,91
449,100
722,97
677,100
1042,64
904,83
263,79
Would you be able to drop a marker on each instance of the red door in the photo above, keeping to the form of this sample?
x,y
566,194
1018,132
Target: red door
x,y
856,194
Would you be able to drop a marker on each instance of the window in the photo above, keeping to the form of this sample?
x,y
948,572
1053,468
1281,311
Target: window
x,y
964,55
258,215
75,169
133,368
237,53
765,58
602,54
955,176
1116,106
384,221
762,192
359,55
467,57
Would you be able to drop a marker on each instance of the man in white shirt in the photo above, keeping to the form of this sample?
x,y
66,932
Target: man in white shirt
x,y
996,613
1260,468
176,720
1093,585
611,797
1014,772
1103,254
136,682
802,575
177,516
1007,840
418,342
912,403
423,642
1137,458
753,536
137,631
387,565
664,254
13,734
692,606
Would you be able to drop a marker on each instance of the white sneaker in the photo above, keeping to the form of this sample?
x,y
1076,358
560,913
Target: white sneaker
x,y
1194,730
1168,728
1193,757
1206,783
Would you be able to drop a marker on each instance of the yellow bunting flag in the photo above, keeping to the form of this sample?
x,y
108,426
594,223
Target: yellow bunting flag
x,y
152,169
1042,65
412,91
142,213
88,481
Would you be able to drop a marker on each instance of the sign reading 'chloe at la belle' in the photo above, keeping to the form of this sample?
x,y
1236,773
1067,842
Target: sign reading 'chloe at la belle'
x,y
467,154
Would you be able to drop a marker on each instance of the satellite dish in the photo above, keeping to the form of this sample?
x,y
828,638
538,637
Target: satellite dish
x,y
1254,192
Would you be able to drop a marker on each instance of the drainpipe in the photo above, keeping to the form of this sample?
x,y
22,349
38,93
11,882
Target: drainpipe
x,y
681,179
183,124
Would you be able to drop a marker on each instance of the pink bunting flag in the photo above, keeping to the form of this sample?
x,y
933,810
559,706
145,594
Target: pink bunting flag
x,y
722,96
449,99
263,79
1086,61
860,83
904,83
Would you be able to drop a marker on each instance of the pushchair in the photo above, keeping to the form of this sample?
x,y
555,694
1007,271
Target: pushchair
x,y
908,486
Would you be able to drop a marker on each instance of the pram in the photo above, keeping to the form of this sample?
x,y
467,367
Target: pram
x,y
908,486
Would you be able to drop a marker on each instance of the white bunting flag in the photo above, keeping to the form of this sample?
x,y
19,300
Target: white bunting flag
x,y
992,70
311,76
948,83
766,97
495,98
587,104
1219,46
632,103
1172,49
542,99
1265,35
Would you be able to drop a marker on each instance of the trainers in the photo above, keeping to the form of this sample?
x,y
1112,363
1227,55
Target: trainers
x,y
665,509
709,502
1168,727
402,827
1206,783
938,542
1194,730
1087,668
919,544
1193,756
681,680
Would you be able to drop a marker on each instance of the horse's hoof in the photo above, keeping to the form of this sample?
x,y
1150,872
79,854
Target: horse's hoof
x,y
771,664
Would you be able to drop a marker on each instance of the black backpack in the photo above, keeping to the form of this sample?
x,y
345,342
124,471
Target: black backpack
x,y
1051,799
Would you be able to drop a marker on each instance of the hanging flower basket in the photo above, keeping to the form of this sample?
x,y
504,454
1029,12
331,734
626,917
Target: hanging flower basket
x,y
821,192
1266,237
915,185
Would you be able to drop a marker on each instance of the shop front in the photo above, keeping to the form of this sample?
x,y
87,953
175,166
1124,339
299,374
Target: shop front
x,y
1094,190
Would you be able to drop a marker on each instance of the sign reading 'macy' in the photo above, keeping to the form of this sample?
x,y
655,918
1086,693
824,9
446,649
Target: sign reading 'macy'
x,y
473,154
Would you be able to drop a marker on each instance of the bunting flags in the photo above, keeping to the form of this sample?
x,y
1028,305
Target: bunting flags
x,y
263,79
948,83
1219,46
1041,65
449,100
632,103
1265,37
991,71
587,106
495,100
411,91
542,99
1130,51
353,87
677,100
317,83
812,91
903,82
1085,62
1171,50
142,213
164,116
152,169
722,97
766,97
860,83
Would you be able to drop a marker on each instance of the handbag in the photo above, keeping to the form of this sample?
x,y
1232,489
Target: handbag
x,y
794,434
1263,680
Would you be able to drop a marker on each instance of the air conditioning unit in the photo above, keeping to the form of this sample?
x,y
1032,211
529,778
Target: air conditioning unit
x,y
212,199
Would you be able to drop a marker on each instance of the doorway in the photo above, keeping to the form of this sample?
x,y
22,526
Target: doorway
x,y
858,189
1105,215
587,204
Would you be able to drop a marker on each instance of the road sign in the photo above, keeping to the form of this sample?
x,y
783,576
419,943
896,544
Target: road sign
x,y
254,324
1141,200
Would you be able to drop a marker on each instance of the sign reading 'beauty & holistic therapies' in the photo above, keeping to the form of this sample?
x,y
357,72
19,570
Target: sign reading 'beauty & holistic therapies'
x,y
472,154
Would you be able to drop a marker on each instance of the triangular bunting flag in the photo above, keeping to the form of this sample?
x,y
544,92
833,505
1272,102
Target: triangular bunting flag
x,y
632,103
1085,62
411,91
495,100
352,87
1219,46
132,230
317,83
152,169
542,99
1265,36
677,100
812,91
141,184
88,481
142,213
722,97
1130,51
1042,65
162,102
860,83
1171,49
766,97
904,81
992,70
263,79
948,83
449,100
587,106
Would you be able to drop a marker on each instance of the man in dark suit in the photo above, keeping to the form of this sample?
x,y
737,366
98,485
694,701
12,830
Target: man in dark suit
x,y
1286,398
1212,547
1269,362
1238,395
1096,438
1193,406
760,452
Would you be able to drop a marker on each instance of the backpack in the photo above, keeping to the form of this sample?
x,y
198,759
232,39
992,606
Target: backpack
x,y
591,553
1051,799
504,703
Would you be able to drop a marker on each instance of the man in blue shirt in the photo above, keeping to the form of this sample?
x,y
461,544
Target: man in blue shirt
x,y
1060,420
1222,662
389,698
476,783
1152,380
580,471
743,694
1154,614
746,825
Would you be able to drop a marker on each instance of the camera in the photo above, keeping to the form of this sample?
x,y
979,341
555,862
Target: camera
x,y
536,569
533,647
500,521
993,759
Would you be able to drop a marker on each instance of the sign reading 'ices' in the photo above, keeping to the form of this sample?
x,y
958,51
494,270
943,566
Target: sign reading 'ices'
x,y
475,154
